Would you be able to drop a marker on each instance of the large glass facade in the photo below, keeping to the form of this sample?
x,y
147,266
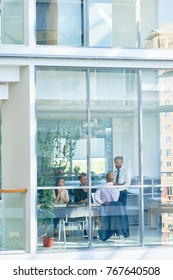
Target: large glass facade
x,y
105,23
88,110
89,117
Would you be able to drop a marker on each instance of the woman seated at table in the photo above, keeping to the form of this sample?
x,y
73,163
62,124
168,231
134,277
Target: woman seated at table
x,y
61,197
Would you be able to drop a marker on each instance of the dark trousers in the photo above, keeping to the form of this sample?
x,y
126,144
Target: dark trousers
x,y
123,200
55,222
112,220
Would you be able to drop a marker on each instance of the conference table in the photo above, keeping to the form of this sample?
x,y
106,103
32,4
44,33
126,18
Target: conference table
x,y
75,211
71,214
75,217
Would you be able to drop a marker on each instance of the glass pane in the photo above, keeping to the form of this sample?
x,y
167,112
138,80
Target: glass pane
x,y
67,224
98,23
12,221
156,26
107,27
0,147
113,131
157,146
60,22
62,143
151,127
12,20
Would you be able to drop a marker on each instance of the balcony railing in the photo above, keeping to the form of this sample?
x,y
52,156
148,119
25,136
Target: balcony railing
x,y
12,219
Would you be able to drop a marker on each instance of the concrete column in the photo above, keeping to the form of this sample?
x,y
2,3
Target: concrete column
x,y
19,161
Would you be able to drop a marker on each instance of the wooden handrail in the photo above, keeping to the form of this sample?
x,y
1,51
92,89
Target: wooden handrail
x,y
13,190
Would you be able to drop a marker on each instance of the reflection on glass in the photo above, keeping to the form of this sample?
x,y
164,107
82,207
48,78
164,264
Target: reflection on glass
x,y
157,26
117,238
60,22
86,23
62,130
113,120
158,151
112,23
71,223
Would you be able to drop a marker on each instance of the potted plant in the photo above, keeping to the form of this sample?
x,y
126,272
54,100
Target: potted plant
x,y
47,214
76,169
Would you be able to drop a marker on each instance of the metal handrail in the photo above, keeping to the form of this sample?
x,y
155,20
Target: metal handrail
x,y
13,191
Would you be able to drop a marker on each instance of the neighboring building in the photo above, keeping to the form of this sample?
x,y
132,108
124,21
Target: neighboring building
x,y
80,83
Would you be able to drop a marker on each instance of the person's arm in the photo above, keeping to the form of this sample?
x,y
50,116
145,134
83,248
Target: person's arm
x,y
65,196
97,196
127,180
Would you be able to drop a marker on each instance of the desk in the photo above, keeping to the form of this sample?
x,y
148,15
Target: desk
x,y
76,211
71,211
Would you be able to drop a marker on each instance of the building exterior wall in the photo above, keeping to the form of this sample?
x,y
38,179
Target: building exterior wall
x,y
100,74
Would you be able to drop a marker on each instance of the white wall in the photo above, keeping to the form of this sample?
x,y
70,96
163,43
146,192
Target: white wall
x,y
18,159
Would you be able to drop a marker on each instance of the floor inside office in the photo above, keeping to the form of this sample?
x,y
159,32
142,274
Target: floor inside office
x,y
152,237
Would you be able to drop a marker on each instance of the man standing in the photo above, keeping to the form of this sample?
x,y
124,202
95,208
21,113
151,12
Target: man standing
x,y
123,179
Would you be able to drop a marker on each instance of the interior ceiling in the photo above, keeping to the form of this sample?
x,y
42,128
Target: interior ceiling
x,y
50,109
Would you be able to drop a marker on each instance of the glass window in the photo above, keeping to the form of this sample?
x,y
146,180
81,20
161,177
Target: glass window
x,y
60,22
85,118
168,152
157,25
169,190
63,151
156,128
62,130
95,23
11,20
114,130
112,23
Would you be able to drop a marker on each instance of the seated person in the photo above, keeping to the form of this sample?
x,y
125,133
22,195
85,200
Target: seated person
x,y
61,197
106,195
81,195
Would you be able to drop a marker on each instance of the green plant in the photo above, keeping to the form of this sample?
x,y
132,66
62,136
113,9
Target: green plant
x,y
47,212
56,150
76,169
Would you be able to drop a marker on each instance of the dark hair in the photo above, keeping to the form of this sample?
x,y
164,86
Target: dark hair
x,y
82,175
118,158
57,184
57,180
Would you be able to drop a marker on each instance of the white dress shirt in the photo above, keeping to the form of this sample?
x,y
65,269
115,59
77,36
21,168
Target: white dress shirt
x,y
107,194
124,178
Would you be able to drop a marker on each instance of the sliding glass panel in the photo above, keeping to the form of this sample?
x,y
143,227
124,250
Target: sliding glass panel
x,y
157,94
156,25
114,133
62,154
12,22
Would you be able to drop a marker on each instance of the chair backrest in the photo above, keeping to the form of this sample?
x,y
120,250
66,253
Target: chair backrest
x,y
93,198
